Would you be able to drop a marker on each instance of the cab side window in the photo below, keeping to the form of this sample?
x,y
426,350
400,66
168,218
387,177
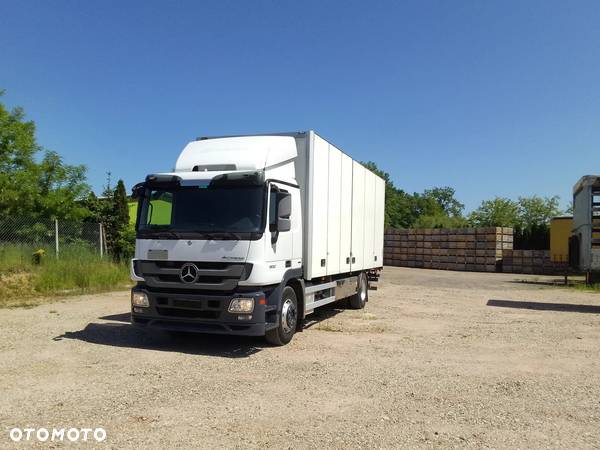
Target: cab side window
x,y
160,208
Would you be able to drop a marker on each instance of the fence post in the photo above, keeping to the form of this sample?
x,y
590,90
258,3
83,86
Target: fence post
x,y
56,236
101,243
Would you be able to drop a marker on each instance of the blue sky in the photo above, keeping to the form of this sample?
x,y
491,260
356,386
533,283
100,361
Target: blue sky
x,y
493,98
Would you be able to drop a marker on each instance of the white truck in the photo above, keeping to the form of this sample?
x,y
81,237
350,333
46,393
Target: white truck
x,y
250,234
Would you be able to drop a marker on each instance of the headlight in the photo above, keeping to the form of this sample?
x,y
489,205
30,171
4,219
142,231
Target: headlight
x,y
241,305
139,299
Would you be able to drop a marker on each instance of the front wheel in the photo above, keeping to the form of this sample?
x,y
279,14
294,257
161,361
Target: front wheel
x,y
288,319
358,300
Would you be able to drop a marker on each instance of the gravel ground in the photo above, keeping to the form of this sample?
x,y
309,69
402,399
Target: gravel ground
x,y
437,359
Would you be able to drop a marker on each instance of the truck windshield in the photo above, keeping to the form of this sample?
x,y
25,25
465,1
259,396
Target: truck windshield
x,y
200,210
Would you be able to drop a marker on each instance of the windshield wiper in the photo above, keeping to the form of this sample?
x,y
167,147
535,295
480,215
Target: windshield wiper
x,y
161,233
198,234
225,234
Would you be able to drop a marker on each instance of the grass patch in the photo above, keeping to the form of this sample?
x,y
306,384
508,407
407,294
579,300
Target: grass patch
x,y
18,258
587,287
368,316
329,327
79,270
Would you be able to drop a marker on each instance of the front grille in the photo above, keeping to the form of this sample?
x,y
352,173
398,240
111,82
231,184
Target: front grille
x,y
188,313
195,304
212,276
190,306
209,265
176,279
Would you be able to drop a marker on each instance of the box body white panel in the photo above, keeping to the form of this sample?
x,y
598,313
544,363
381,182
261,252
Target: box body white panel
x,y
333,213
358,216
345,211
369,220
318,206
379,221
346,214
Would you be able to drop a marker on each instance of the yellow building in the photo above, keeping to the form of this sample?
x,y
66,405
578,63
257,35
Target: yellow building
x,y
560,231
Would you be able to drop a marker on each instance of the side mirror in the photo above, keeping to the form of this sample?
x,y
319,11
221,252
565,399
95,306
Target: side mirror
x,y
284,211
138,190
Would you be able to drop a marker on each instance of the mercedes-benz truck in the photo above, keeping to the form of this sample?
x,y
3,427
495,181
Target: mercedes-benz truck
x,y
249,234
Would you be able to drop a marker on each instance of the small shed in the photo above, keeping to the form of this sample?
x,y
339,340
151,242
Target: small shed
x,y
560,232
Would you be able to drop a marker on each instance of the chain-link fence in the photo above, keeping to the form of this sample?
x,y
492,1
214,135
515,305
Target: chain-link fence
x,y
27,235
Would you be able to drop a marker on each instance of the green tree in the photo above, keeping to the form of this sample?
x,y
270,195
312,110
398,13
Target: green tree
x,y
47,189
444,197
525,213
404,214
61,188
391,199
499,212
440,221
529,216
537,211
113,212
17,150
120,206
435,207
533,229
93,208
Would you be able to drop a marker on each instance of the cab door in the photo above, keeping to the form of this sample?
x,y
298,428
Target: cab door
x,y
279,245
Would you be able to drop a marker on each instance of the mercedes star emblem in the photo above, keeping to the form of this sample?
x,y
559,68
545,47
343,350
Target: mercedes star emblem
x,y
189,273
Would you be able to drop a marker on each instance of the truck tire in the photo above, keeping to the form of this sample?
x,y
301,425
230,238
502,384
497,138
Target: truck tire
x,y
358,300
288,319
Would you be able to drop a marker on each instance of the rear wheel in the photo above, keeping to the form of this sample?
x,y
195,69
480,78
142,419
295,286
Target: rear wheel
x,y
288,319
358,300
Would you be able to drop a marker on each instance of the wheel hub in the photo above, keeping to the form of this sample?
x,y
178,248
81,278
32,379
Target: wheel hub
x,y
288,316
363,288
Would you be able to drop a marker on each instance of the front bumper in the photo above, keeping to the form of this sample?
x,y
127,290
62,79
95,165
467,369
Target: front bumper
x,y
201,313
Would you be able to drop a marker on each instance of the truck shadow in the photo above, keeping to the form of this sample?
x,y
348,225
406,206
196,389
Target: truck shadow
x,y
323,313
546,282
120,333
545,306
124,317
125,335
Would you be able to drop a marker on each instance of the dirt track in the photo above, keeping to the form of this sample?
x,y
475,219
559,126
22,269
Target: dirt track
x,y
437,359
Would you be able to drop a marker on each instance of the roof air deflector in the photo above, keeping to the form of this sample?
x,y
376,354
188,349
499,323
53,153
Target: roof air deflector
x,y
214,167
